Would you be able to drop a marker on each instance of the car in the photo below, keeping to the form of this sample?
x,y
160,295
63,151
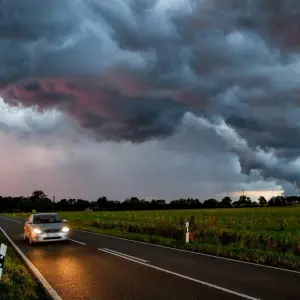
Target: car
x,y
45,227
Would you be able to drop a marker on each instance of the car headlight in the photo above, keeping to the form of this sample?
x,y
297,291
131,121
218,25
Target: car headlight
x,y
37,231
65,229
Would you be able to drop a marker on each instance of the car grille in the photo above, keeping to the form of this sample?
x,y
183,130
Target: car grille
x,y
52,238
51,230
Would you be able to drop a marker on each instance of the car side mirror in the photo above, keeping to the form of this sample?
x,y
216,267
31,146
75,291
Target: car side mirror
x,y
65,221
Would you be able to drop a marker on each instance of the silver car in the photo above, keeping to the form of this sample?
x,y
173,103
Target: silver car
x,y
45,227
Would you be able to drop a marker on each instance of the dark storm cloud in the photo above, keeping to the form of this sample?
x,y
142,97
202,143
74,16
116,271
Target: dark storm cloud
x,y
103,109
130,70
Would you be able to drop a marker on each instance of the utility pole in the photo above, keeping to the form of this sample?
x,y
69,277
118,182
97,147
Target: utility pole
x,y
243,190
226,185
297,189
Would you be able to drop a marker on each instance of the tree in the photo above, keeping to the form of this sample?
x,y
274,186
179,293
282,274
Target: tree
x,y
277,201
82,204
262,201
38,195
157,204
134,203
210,203
291,200
134,200
71,202
94,205
226,202
26,205
40,201
244,201
102,202
63,204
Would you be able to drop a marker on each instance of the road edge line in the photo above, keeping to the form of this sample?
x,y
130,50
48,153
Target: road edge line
x,y
45,284
183,276
192,252
16,221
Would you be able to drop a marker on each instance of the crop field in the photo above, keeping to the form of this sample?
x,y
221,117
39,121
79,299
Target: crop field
x,y
262,235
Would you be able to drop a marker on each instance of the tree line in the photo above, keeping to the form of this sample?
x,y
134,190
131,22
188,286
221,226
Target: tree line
x,y
39,201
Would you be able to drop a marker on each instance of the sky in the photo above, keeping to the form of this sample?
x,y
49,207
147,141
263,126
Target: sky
x,y
154,99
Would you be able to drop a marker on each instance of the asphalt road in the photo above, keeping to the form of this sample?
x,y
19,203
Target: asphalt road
x,y
93,266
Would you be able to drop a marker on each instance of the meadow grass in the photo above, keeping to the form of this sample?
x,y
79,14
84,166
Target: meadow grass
x,y
16,281
261,235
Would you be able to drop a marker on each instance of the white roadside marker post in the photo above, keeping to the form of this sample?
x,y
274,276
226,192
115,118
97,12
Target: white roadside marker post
x,y
3,249
187,233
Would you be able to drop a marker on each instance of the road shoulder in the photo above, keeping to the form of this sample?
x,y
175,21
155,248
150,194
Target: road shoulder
x,y
14,273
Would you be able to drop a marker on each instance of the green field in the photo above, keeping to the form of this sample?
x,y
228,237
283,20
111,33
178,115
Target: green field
x,y
17,282
262,235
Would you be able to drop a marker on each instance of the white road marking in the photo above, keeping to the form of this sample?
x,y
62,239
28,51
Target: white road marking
x,y
13,220
34,270
191,252
181,275
126,255
77,242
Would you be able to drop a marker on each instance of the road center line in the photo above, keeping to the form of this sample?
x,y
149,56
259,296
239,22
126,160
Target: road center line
x,y
126,255
34,270
77,242
179,275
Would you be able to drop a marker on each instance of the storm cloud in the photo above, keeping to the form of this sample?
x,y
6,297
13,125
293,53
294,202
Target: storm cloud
x,y
128,71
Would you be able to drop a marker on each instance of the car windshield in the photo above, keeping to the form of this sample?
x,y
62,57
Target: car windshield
x,y
42,219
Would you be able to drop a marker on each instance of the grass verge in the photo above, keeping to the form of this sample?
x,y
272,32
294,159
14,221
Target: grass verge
x,y
17,283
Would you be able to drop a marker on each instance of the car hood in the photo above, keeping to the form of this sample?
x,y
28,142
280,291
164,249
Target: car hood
x,y
49,226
